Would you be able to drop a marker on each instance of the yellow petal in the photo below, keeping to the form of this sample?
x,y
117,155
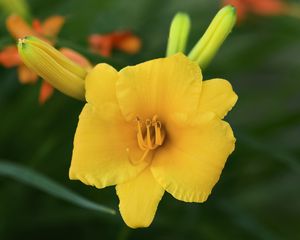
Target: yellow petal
x,y
100,85
217,96
52,25
159,87
105,149
18,28
139,199
105,146
190,163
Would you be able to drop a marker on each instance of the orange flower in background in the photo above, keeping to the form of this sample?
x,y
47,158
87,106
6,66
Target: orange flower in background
x,y
47,31
125,41
259,7
18,28
45,92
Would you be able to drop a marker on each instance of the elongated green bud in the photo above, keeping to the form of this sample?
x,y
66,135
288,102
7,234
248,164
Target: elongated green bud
x,y
179,32
215,35
53,66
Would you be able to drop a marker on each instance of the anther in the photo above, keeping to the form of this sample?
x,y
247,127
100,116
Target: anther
x,y
158,135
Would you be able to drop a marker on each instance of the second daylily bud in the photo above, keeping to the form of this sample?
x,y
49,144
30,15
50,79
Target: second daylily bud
x,y
53,66
179,32
215,35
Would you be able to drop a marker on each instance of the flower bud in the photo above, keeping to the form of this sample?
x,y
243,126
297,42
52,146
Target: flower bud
x,y
206,48
53,66
179,32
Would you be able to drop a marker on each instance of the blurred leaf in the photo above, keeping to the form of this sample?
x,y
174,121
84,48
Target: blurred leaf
x,y
43,183
278,154
245,221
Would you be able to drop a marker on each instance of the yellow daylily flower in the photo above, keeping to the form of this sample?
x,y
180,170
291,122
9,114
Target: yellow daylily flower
x,y
151,128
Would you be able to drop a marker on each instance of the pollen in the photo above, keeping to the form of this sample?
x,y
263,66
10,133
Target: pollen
x,y
22,40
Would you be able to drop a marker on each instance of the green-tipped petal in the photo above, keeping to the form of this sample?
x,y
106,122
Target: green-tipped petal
x,y
179,32
54,67
206,48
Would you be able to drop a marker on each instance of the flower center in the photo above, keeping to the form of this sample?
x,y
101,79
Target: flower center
x,y
150,135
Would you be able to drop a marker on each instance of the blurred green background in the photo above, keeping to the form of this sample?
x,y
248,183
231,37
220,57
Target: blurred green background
x,y
258,195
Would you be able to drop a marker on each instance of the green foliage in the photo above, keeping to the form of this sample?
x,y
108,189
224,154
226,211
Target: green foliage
x,y
36,180
258,195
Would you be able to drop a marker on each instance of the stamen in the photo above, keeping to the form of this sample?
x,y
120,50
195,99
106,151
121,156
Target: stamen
x,y
140,137
150,135
158,135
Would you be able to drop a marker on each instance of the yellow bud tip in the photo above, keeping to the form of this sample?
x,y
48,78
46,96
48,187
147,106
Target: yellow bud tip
x,y
21,41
